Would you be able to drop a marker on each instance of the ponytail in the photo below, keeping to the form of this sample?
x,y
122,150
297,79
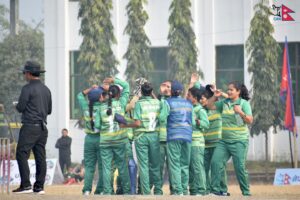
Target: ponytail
x,y
113,92
93,96
208,93
244,93
109,110
91,109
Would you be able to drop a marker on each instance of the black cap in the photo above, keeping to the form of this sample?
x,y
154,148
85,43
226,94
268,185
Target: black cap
x,y
32,67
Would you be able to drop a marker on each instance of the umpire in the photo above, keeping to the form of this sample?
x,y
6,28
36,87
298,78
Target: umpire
x,y
34,104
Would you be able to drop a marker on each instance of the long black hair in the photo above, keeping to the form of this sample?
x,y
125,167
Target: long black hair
x,y
146,89
113,92
93,97
244,93
91,109
196,93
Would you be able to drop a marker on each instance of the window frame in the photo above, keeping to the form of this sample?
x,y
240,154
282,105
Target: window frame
x,y
219,69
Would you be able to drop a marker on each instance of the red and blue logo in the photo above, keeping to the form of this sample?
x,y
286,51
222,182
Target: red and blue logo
x,y
282,13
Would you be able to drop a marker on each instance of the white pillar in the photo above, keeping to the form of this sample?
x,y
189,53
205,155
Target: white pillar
x,y
248,14
57,67
196,27
116,24
206,39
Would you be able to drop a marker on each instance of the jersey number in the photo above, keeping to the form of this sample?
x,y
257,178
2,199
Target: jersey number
x,y
152,121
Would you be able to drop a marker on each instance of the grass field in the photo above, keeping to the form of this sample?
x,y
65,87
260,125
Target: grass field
x,y
73,192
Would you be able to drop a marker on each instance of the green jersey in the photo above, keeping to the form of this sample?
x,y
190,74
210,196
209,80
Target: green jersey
x,y
129,130
84,105
233,126
163,126
146,110
110,132
214,133
199,113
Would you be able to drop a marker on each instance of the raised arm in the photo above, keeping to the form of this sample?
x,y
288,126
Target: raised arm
x,y
137,118
83,102
194,82
131,104
125,92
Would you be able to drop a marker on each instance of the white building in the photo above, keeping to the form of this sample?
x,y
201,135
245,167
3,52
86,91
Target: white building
x,y
221,28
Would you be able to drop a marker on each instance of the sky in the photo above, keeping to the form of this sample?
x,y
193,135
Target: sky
x,y
30,11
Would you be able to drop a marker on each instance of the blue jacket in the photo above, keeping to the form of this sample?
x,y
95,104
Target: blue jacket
x,y
179,121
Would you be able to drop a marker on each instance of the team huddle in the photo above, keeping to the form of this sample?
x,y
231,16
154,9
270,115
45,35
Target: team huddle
x,y
193,135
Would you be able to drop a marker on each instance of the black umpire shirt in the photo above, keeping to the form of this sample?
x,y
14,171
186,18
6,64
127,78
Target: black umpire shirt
x,y
64,146
35,102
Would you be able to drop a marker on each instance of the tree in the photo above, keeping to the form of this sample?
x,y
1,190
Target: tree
x,y
4,23
263,52
96,49
183,51
14,51
139,63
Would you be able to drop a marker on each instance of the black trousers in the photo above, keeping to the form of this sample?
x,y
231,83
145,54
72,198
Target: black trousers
x,y
64,161
32,138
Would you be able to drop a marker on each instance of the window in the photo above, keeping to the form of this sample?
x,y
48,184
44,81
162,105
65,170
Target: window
x,y
294,58
230,65
77,83
160,60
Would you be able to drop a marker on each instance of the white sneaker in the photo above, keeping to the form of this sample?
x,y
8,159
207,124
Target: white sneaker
x,y
86,193
39,191
42,192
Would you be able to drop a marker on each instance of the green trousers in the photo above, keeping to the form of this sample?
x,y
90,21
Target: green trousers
x,y
116,153
197,180
91,159
147,150
238,151
208,154
163,160
119,180
179,154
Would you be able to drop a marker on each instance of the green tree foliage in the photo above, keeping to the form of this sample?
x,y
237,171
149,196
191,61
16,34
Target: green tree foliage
x,y
4,23
263,52
183,50
14,51
96,49
137,55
